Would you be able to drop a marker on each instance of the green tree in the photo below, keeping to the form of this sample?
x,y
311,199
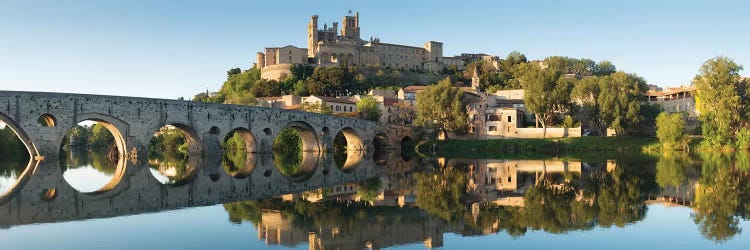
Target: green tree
x,y
233,71
670,130
370,108
326,81
439,107
722,99
612,101
100,136
604,68
540,93
321,108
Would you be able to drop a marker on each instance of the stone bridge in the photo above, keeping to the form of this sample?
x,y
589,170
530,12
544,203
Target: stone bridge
x,y
42,119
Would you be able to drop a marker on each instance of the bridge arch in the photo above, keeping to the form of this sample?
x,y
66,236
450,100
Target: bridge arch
x,y
348,156
118,129
47,120
310,142
27,142
353,140
381,141
247,162
30,166
195,145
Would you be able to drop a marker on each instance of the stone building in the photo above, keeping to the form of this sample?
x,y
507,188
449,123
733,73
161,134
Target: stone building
x,y
678,99
328,47
337,104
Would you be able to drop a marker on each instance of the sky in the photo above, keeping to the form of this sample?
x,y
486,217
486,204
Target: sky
x,y
171,49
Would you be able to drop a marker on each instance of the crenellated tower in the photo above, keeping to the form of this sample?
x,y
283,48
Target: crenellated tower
x,y
350,27
312,36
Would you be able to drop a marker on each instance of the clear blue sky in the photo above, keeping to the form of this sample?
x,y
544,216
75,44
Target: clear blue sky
x,y
169,49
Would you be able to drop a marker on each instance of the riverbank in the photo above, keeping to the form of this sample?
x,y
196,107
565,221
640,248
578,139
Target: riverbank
x,y
526,147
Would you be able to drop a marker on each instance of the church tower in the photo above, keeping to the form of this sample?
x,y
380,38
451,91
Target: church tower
x,y
475,80
312,36
350,28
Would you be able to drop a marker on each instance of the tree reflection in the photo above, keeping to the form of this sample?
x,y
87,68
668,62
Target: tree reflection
x,y
287,152
721,195
97,158
235,154
170,168
619,199
288,162
370,189
442,192
671,170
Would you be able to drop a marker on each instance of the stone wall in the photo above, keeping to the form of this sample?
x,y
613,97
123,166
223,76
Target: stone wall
x,y
539,133
276,72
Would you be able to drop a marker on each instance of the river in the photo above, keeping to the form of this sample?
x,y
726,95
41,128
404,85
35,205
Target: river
x,y
385,200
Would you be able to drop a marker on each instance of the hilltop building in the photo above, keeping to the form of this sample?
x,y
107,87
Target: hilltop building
x,y
328,47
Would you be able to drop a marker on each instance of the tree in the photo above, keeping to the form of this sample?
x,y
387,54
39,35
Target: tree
x,y
233,71
326,81
370,108
320,108
539,93
586,94
613,101
604,68
670,129
439,107
100,136
722,99
241,98
619,100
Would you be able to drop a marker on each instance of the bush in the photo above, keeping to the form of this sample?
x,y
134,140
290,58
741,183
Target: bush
x,y
670,130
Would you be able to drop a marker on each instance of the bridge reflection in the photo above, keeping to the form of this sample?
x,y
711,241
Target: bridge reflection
x,y
42,195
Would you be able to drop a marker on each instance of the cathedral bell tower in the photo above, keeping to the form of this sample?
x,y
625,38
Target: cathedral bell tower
x,y
475,80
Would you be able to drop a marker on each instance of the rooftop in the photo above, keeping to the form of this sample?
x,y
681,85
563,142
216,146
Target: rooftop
x,y
336,99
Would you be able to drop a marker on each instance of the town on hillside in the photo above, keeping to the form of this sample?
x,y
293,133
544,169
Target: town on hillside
x,y
510,97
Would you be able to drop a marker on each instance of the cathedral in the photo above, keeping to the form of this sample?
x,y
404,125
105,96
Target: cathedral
x,y
328,47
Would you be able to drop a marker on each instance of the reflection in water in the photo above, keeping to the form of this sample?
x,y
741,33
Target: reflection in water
x,y
13,158
289,162
722,195
172,169
416,202
238,163
87,170
10,171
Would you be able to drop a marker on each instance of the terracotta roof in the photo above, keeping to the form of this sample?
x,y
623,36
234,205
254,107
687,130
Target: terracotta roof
x,y
414,88
292,107
669,91
389,101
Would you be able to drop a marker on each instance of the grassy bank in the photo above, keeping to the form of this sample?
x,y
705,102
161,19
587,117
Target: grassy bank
x,y
525,148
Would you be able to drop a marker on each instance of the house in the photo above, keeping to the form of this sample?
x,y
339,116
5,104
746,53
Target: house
x,y
677,99
337,104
